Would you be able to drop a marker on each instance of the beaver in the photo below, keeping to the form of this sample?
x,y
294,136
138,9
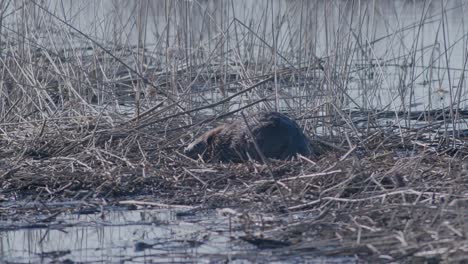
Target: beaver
x,y
277,136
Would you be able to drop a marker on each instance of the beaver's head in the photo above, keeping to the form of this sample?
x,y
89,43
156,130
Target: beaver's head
x,y
197,147
203,144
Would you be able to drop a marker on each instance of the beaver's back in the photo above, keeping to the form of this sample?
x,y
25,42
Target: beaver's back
x,y
276,135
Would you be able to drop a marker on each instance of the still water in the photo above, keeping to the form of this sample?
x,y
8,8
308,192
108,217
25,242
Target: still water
x,y
138,236
382,54
132,236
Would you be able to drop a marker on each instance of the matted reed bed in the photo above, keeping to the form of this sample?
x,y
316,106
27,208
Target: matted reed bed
x,y
378,197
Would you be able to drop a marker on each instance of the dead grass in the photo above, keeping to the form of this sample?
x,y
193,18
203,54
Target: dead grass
x,y
84,115
386,205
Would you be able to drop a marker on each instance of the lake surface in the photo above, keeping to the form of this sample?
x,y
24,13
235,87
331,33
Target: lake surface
x,y
382,54
119,235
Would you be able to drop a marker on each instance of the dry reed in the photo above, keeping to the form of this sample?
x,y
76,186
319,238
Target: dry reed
x,y
86,114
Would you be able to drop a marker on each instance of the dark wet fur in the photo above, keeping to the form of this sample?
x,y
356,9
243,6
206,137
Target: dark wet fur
x,y
276,135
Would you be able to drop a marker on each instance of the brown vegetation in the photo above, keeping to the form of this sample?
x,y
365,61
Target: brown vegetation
x,y
81,119
267,134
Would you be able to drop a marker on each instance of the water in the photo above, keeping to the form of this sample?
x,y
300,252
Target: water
x,y
122,235
383,54
137,236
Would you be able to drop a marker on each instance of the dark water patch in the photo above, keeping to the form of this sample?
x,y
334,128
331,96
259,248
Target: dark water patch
x,y
139,236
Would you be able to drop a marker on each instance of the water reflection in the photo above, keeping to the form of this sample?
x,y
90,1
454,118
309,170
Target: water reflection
x,y
141,236
380,53
118,237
